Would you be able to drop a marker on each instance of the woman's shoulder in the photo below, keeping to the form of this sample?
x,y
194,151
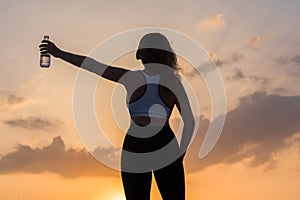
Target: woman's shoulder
x,y
173,78
133,78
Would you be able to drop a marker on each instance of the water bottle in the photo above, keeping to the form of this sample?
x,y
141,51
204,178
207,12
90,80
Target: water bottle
x,y
45,57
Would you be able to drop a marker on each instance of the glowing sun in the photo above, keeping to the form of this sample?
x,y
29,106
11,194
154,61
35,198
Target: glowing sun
x,y
117,196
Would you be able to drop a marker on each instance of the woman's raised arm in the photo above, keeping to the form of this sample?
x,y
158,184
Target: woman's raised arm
x,y
84,62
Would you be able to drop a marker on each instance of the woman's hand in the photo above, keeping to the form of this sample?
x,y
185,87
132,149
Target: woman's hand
x,y
49,47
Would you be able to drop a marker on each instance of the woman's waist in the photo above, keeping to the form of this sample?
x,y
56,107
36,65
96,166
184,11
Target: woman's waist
x,y
150,121
141,138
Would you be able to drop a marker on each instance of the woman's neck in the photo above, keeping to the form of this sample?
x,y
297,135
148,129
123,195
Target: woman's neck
x,y
152,70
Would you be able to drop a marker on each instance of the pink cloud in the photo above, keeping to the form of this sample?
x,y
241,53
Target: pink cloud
x,y
216,21
254,41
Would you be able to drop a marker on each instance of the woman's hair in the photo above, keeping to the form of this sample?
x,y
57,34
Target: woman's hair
x,y
155,48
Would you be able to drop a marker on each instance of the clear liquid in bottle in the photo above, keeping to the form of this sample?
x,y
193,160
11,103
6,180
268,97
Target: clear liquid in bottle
x,y
45,57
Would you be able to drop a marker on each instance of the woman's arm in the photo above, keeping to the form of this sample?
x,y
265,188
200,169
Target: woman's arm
x,y
84,62
183,105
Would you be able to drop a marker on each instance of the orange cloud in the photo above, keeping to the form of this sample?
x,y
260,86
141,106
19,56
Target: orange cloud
x,y
254,41
216,21
34,123
9,100
212,55
57,159
256,130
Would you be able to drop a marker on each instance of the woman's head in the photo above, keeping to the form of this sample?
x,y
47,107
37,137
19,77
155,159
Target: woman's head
x,y
155,48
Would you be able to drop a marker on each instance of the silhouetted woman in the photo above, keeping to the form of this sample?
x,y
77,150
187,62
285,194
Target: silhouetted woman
x,y
150,144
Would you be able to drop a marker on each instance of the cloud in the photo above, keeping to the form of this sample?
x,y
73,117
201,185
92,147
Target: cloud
x,y
282,61
55,158
206,67
257,129
259,79
10,100
239,75
254,41
34,123
236,57
296,58
279,90
287,60
212,55
216,21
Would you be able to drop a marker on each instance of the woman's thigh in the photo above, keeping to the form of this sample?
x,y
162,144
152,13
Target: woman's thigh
x,y
137,186
170,181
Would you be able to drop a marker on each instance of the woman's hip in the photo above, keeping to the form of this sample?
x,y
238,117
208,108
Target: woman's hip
x,y
146,154
148,139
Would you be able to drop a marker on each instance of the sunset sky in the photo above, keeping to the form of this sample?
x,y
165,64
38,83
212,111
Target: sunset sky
x,y
255,45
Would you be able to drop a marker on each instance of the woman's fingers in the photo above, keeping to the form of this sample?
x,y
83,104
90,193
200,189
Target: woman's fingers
x,y
43,49
47,41
43,45
49,47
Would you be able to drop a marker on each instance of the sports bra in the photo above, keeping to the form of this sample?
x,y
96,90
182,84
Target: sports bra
x,y
150,103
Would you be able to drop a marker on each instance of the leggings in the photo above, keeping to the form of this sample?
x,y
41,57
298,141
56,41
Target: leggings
x,y
167,169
